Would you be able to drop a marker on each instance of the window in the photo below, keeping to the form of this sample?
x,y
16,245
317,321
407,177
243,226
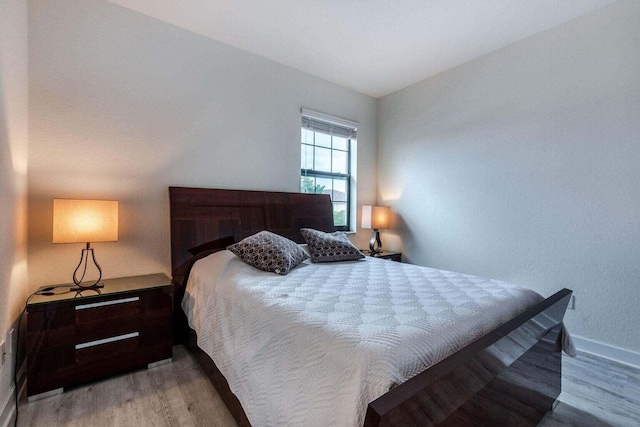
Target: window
x,y
326,147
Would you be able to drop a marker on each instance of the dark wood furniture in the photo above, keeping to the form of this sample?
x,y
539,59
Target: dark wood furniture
x,y
79,336
393,256
477,385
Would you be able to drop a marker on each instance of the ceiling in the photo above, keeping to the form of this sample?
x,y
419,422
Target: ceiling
x,y
372,46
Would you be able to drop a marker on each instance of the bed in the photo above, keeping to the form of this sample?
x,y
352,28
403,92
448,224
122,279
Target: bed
x,y
507,372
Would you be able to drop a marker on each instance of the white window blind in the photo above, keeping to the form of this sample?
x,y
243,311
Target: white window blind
x,y
324,123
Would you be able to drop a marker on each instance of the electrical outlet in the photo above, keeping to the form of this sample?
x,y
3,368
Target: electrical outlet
x,y
572,303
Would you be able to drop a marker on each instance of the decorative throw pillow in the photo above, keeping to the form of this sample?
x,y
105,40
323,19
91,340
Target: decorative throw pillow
x,y
305,248
330,247
269,252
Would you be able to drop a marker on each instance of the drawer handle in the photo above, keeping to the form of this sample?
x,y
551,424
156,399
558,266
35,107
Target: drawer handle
x,y
107,340
102,304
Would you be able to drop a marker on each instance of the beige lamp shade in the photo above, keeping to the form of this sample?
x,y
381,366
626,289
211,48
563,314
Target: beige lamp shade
x,y
376,217
85,221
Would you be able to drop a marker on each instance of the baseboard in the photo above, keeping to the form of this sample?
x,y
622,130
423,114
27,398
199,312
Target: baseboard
x,y
8,409
607,351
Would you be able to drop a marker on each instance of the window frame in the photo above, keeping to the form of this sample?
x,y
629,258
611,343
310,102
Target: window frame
x,y
332,126
347,177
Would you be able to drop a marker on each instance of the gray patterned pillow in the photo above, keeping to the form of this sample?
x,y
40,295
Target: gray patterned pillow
x,y
269,252
330,247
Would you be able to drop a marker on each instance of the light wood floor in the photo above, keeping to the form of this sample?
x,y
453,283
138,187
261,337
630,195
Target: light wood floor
x,y
596,392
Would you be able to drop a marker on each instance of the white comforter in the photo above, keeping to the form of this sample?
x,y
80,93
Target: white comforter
x,y
314,347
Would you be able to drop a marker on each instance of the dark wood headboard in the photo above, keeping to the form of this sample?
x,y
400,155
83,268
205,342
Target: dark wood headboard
x,y
200,215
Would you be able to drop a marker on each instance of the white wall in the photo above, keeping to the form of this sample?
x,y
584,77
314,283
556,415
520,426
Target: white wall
x,y
13,176
123,106
524,165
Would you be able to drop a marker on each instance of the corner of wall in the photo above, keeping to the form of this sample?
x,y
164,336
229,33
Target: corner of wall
x,y
13,184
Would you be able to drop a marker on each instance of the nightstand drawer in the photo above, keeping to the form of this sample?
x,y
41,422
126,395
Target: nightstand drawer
x,y
103,320
107,348
107,310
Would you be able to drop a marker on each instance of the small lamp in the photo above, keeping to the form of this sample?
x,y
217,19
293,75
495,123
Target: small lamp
x,y
377,218
85,221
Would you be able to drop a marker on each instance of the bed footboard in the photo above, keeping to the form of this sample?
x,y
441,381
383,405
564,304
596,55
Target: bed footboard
x,y
511,376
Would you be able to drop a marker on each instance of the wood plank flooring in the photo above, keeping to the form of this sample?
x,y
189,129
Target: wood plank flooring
x,y
596,392
175,394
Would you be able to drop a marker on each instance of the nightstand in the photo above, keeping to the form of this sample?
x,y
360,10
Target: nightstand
x,y
393,256
85,335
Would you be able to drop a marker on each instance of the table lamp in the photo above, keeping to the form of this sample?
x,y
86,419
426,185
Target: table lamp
x,y
377,218
85,221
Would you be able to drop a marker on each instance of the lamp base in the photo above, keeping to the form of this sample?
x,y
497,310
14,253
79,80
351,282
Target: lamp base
x,y
84,256
375,245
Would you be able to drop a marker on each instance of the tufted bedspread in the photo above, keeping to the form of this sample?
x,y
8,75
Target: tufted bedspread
x,y
314,347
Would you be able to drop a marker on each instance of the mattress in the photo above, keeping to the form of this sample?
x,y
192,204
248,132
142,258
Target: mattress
x,y
314,347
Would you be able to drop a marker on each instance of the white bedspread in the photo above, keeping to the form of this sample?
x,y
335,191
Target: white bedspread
x,y
314,347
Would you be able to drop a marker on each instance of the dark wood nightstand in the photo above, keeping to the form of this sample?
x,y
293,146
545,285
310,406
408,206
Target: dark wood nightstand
x,y
81,336
393,256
